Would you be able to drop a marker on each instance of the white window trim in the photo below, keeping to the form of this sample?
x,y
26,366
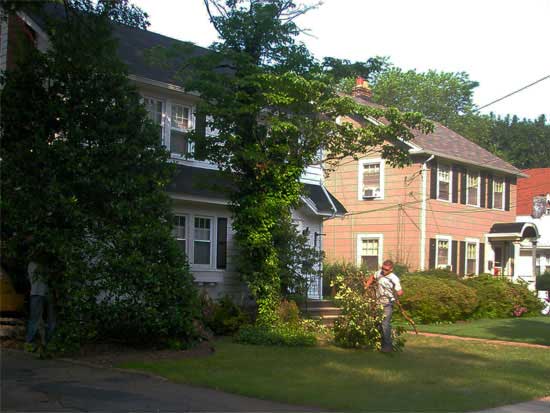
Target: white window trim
x,y
361,237
450,183
503,193
370,161
163,115
213,241
449,239
168,116
468,175
465,258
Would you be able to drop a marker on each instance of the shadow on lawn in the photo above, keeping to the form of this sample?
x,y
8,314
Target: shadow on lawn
x,y
431,378
524,329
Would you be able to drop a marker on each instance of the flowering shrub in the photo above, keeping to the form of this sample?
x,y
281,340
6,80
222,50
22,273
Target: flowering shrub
x,y
519,311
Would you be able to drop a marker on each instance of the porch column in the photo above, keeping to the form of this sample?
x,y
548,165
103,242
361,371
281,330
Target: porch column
x,y
534,256
515,260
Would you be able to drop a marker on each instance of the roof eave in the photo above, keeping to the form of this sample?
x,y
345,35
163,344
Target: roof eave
x,y
469,162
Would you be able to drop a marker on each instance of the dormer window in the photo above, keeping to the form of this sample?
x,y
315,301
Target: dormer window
x,y
179,125
371,179
155,111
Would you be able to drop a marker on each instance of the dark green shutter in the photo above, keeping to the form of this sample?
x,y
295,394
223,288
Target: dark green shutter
x,y
482,190
200,131
455,184
481,257
433,180
221,244
462,186
454,256
432,253
490,192
507,194
462,258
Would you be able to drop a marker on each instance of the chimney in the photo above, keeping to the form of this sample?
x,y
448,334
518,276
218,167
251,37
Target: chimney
x,y
361,89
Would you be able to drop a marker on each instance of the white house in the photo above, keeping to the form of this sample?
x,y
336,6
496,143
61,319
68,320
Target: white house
x,y
202,220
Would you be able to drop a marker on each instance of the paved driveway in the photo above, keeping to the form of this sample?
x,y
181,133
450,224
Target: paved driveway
x,y
30,385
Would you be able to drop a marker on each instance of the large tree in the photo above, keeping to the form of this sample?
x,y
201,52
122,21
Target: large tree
x,y
83,180
273,107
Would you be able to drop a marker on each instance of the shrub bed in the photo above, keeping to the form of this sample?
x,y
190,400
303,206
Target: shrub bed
x,y
500,298
433,298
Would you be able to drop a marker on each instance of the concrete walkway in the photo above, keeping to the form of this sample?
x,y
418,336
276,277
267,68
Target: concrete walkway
x,y
33,385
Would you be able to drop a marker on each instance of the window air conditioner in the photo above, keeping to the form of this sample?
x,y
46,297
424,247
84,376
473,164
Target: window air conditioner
x,y
370,193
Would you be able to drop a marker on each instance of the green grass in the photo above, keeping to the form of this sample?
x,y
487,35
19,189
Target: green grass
x,y
432,374
535,330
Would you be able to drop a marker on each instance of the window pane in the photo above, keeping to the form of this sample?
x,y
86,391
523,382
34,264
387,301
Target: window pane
x,y
472,184
443,252
202,253
371,176
178,142
180,117
471,257
370,263
444,182
498,193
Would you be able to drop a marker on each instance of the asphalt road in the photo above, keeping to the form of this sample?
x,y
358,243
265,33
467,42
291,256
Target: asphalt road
x,y
33,385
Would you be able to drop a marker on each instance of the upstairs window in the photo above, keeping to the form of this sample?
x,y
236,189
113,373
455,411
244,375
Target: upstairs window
x,y
369,250
179,125
472,189
155,111
371,179
444,182
498,193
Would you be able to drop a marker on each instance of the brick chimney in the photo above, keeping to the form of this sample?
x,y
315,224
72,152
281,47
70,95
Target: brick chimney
x,y
361,89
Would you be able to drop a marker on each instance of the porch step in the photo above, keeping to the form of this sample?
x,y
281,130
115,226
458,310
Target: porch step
x,y
11,327
324,310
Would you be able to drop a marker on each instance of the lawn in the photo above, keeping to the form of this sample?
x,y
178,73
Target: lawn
x,y
535,330
432,374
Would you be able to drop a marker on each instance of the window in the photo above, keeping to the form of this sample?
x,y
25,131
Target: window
x,y
179,232
443,252
371,179
472,253
498,193
202,240
155,111
179,125
444,182
472,189
369,247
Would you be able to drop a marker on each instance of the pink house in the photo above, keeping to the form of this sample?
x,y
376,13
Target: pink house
x,y
453,207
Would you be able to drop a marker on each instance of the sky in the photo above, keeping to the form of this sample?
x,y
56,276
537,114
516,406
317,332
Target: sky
x,y
502,44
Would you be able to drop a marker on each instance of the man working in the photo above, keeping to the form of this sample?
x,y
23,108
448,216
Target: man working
x,y
387,285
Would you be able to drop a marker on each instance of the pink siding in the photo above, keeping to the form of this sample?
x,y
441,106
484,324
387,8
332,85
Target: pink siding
x,y
397,216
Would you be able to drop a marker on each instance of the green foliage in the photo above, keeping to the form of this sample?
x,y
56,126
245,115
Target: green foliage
x,y
283,334
223,317
543,281
361,315
438,297
289,312
499,297
84,173
273,107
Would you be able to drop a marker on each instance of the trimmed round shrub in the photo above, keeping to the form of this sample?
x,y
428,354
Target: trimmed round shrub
x,y
432,299
500,298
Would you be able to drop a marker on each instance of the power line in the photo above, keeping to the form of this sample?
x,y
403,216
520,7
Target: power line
x,y
513,93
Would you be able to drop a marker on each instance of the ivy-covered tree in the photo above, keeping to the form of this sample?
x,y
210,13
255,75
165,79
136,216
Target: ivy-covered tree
x,y
274,107
83,181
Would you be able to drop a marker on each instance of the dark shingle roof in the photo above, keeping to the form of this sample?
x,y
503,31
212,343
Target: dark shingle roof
x,y
446,143
318,196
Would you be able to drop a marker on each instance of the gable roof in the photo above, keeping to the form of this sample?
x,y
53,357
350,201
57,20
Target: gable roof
x,y
446,143
537,184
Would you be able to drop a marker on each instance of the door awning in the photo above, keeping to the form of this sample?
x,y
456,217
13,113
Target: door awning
x,y
513,231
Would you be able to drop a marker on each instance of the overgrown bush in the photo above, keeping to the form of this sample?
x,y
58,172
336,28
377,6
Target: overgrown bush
x,y
223,317
500,298
437,297
359,323
543,281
